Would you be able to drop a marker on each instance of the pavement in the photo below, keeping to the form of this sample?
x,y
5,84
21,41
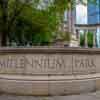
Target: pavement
x,y
86,96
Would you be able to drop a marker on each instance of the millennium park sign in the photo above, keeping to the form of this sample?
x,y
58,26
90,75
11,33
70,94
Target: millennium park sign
x,y
47,64
49,71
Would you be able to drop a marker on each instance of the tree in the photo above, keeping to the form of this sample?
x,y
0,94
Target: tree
x,y
9,10
41,18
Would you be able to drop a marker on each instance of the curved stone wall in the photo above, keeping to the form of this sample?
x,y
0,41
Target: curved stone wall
x,y
49,71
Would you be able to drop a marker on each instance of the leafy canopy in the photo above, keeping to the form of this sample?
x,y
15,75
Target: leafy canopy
x,y
32,20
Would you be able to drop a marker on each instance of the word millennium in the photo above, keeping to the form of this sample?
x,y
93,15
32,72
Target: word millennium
x,y
33,61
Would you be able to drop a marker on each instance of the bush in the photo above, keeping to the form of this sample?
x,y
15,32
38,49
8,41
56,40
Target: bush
x,y
82,39
42,39
90,39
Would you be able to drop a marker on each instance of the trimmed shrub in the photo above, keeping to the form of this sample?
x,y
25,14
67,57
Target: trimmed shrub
x,y
82,40
90,39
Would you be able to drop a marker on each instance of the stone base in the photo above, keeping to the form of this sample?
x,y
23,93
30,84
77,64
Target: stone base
x,y
49,71
47,85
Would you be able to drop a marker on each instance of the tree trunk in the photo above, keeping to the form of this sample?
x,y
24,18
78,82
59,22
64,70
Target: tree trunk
x,y
4,8
3,39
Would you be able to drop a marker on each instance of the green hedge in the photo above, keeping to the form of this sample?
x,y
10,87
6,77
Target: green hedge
x,y
90,39
82,39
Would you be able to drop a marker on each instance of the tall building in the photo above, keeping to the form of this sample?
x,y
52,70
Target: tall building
x,y
94,13
69,21
81,13
94,18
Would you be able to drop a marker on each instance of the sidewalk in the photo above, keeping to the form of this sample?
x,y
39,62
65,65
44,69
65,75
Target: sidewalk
x,y
88,96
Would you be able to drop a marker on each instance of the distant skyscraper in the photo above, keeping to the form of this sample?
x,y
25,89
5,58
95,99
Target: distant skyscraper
x,y
94,18
81,14
94,12
69,20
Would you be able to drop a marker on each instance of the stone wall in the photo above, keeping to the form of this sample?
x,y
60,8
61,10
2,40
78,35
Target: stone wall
x,y
49,71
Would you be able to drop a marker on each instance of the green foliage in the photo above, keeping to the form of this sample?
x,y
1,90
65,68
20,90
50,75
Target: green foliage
x,y
82,39
33,27
23,22
90,39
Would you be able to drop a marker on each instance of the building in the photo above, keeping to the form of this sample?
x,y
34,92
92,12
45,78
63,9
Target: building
x,y
94,18
88,19
94,12
69,21
81,14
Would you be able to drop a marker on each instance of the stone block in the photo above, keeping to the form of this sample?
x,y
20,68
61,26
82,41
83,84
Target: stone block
x,y
24,87
97,84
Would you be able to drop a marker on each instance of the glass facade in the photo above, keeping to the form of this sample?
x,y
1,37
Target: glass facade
x,y
94,18
94,12
81,14
98,37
